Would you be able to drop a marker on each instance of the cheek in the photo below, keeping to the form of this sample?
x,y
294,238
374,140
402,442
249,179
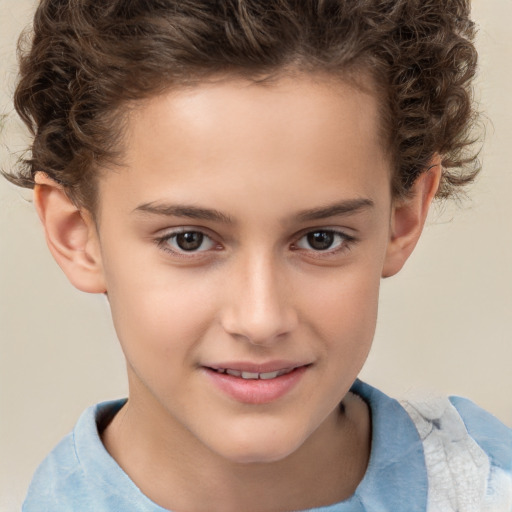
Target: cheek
x,y
346,298
344,317
160,329
345,305
157,310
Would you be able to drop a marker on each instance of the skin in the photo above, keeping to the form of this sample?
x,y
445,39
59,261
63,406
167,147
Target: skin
x,y
269,160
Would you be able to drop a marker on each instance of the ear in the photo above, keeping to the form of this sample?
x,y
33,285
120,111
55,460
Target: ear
x,y
70,234
408,218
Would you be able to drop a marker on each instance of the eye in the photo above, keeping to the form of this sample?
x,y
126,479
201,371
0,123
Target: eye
x,y
186,242
324,240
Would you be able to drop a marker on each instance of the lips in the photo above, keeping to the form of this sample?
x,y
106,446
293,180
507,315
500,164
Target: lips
x,y
256,384
254,375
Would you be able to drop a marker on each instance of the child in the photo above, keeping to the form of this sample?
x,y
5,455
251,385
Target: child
x,y
237,177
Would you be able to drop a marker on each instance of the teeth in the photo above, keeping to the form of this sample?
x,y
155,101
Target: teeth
x,y
269,375
254,375
249,375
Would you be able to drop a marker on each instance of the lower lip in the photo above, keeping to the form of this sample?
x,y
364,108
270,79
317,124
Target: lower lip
x,y
256,391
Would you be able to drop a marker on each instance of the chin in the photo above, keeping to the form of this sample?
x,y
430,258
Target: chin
x,y
259,449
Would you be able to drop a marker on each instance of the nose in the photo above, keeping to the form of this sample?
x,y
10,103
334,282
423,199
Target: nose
x,y
259,302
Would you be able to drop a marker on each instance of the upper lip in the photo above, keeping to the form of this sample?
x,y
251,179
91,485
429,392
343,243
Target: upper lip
x,y
266,367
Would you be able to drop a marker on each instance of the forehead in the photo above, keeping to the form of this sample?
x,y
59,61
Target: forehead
x,y
305,132
315,103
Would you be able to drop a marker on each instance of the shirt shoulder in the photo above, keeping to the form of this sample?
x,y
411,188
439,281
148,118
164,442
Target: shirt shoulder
x,y
468,454
58,482
79,475
491,434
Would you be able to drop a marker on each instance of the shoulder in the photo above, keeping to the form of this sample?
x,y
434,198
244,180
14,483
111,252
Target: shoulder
x,y
80,475
492,436
58,481
468,454
458,419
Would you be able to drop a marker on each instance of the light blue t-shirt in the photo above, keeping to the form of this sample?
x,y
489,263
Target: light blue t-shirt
x,y
80,475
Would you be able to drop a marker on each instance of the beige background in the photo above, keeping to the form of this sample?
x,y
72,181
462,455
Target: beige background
x,y
445,322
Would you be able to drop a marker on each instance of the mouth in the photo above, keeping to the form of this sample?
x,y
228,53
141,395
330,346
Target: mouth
x,y
253,375
256,384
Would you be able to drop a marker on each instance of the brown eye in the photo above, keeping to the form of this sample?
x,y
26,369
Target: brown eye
x,y
190,240
186,242
321,240
324,240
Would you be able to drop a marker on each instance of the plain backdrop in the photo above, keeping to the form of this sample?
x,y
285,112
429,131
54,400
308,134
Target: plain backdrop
x,y
445,322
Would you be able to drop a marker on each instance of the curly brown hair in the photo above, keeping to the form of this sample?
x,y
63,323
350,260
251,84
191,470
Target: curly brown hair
x,y
85,60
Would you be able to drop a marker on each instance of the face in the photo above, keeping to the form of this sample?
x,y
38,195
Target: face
x,y
242,247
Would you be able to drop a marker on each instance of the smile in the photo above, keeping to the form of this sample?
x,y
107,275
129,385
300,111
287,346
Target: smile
x,y
249,386
253,375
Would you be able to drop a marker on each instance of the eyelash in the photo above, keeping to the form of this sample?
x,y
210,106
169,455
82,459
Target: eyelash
x,y
163,243
344,245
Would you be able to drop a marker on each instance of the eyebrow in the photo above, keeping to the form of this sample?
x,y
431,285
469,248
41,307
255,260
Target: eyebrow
x,y
347,207
183,210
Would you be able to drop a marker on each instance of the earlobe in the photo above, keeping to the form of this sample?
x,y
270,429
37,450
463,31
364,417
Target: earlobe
x,y
408,218
70,234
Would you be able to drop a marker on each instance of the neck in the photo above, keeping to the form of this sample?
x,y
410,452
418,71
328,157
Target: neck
x,y
178,472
